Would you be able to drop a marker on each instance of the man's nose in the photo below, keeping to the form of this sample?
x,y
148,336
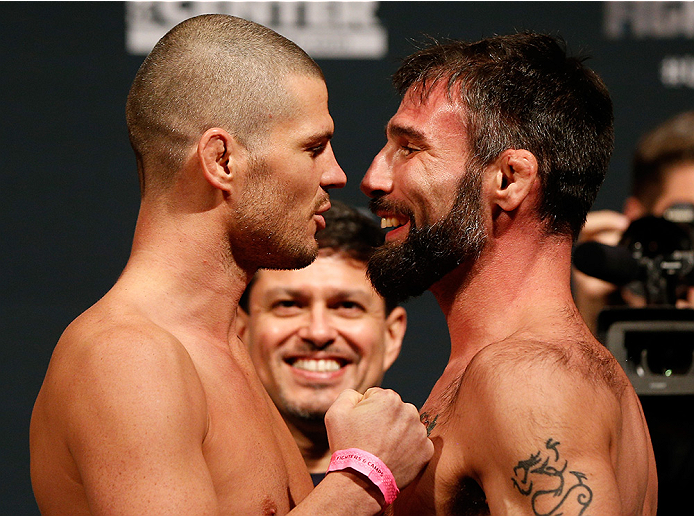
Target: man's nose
x,y
378,179
333,175
318,328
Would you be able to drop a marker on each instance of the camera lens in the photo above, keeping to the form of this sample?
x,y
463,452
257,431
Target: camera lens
x,y
665,353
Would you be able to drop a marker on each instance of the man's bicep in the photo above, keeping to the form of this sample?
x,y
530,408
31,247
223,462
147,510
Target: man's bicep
x,y
541,441
135,431
551,478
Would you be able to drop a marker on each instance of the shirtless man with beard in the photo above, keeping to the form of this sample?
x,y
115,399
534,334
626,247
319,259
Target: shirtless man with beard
x,y
492,161
151,404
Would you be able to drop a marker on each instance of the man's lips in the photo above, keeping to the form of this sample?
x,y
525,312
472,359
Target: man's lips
x,y
320,221
318,215
397,223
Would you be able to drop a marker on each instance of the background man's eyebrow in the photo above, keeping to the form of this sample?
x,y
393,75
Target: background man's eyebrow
x,y
283,292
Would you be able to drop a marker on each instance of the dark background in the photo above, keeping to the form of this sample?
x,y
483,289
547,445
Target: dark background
x,y
71,196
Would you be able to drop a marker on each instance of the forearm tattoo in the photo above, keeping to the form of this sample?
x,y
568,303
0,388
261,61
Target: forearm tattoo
x,y
552,490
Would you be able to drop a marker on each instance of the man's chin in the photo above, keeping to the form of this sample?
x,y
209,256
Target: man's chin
x,y
395,272
292,259
305,415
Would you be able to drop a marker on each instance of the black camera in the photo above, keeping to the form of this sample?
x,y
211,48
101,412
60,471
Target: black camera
x,y
655,260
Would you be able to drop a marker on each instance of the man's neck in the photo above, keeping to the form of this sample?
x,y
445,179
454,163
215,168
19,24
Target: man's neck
x,y
312,440
514,289
180,273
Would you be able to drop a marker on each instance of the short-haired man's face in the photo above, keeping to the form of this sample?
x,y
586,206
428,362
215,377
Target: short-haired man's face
x,y
316,331
284,192
421,184
677,187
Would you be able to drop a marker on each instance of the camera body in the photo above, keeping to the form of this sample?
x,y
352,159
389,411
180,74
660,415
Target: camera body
x,y
655,344
663,248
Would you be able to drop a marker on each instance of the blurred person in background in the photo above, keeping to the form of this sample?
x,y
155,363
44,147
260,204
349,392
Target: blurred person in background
x,y
662,177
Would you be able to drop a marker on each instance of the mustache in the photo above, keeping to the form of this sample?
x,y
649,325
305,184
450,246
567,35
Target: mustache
x,y
390,206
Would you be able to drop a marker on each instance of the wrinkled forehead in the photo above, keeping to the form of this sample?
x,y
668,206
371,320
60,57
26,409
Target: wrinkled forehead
x,y
427,117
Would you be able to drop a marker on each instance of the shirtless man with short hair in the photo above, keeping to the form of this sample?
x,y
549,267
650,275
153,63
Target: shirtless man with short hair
x,y
151,404
492,161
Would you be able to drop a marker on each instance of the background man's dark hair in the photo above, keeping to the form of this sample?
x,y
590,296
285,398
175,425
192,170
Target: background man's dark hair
x,y
348,232
523,91
670,143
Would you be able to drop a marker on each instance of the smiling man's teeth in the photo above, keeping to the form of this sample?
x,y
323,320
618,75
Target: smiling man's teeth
x,y
317,366
389,222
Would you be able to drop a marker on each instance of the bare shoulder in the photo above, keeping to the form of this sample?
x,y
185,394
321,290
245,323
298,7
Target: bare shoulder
x,y
547,368
121,400
540,390
536,415
114,357
120,340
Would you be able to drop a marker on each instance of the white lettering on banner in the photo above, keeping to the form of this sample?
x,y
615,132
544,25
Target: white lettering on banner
x,y
676,71
325,30
656,20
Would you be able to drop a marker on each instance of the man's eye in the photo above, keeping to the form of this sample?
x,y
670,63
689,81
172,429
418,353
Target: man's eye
x,y
407,149
285,306
349,307
317,150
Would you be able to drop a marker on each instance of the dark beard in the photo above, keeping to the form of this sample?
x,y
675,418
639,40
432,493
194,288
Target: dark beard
x,y
403,270
307,419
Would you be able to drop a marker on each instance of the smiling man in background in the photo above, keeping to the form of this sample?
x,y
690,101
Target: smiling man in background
x,y
316,331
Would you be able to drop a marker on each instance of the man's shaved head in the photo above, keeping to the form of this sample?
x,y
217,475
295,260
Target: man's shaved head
x,y
209,71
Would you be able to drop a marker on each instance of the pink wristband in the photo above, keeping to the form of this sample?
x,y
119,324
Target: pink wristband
x,y
367,464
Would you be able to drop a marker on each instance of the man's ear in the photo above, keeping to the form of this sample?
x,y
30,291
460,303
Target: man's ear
x,y
396,324
515,175
219,154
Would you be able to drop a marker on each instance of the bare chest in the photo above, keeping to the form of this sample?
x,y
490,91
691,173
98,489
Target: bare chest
x,y
255,464
445,487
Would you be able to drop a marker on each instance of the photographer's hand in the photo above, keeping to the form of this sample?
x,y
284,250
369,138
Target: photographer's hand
x,y
590,293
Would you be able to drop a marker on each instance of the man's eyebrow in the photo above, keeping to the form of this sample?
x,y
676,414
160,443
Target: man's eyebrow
x,y
320,137
401,131
283,291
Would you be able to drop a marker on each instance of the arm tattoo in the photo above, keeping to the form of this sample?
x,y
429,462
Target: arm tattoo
x,y
542,478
